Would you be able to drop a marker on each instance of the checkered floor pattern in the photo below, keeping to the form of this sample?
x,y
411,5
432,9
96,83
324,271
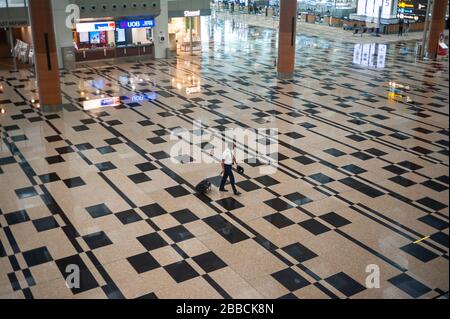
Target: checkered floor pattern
x,y
362,177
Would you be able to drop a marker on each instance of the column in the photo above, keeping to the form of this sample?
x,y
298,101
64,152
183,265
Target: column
x,y
46,59
161,30
287,38
437,26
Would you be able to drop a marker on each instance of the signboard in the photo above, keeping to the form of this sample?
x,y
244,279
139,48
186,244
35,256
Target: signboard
x,y
144,97
96,26
412,9
192,13
134,24
13,23
99,103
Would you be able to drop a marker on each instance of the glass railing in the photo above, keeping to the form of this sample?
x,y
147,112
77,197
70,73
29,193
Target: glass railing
x,y
13,3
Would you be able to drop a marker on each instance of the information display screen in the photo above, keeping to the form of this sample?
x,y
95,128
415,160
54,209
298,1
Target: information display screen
x,y
84,37
94,37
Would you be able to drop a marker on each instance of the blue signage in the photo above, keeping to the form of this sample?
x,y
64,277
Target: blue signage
x,y
134,24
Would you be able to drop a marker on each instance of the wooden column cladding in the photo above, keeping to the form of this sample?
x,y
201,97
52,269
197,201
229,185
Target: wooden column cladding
x,y
287,38
437,26
46,59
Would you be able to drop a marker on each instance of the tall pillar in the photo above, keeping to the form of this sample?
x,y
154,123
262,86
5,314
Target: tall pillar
x,y
287,38
161,30
46,58
437,26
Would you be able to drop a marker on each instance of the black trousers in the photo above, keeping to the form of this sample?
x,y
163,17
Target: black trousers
x,y
228,173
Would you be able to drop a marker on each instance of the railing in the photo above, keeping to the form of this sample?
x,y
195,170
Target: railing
x,y
13,3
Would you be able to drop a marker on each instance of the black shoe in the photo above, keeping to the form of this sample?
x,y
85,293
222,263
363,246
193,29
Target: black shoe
x,y
237,194
223,190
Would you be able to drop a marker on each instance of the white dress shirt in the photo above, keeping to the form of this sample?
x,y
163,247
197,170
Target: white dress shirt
x,y
228,157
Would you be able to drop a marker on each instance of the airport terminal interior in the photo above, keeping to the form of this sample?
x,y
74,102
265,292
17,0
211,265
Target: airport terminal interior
x,y
355,203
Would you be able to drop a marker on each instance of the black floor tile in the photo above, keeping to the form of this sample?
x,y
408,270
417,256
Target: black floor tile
x,y
278,204
345,284
49,178
402,181
291,280
267,181
435,186
298,199
314,227
440,238
299,252
97,240
139,178
26,192
37,257
87,280
409,285
335,220
177,191
153,210
230,204
278,220
432,204
146,167
143,263
248,186
178,234
98,210
321,178
181,271
74,182
17,217
209,262
434,222
128,217
106,166
354,169
335,152
419,252
184,216
152,241
46,223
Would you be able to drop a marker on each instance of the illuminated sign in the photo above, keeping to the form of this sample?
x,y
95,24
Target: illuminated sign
x,y
192,13
193,90
96,26
135,24
144,97
412,9
99,103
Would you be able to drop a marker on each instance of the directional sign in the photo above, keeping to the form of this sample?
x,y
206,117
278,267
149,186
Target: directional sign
x,y
412,9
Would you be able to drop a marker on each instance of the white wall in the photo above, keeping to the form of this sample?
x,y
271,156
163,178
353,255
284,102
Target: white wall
x,y
161,28
63,34
140,35
369,8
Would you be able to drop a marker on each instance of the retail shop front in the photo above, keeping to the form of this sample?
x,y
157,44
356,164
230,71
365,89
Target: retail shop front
x,y
185,30
112,39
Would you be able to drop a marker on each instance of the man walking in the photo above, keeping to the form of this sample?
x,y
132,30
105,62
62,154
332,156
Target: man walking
x,y
400,27
228,160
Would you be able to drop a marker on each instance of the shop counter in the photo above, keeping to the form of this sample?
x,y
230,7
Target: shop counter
x,y
112,53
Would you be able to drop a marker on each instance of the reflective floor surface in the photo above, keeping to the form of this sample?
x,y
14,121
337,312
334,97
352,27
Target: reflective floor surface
x,y
361,186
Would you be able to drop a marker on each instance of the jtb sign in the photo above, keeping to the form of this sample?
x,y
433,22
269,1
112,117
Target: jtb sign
x,y
98,26
133,24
